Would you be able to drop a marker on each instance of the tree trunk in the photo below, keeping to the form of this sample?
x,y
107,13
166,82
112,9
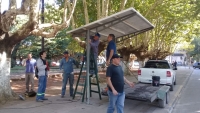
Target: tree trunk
x,y
5,62
98,9
70,10
123,3
106,6
13,55
86,12
5,87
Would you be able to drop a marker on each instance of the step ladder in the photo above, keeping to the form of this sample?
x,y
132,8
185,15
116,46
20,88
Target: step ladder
x,y
82,79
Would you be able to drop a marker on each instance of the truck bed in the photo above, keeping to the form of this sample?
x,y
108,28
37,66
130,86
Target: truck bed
x,y
142,92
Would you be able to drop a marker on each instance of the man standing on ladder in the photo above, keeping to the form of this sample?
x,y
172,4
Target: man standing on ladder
x,y
111,48
94,43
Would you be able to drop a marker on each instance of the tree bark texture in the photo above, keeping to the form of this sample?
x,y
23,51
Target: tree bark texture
x,y
98,9
5,89
123,3
85,12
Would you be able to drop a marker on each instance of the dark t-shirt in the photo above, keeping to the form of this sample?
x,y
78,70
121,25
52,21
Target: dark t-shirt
x,y
117,77
111,45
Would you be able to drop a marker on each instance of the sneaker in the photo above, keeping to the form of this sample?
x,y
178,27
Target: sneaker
x,y
21,97
39,100
45,98
62,96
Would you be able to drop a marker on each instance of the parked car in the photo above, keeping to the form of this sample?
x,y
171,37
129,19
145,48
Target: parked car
x,y
196,65
54,64
179,63
135,66
160,68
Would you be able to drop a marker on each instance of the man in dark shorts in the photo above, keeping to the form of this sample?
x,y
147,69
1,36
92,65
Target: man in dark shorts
x,y
115,80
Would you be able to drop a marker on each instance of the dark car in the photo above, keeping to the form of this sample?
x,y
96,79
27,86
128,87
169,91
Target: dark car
x,y
196,65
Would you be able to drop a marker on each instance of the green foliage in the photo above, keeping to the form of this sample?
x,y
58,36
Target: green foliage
x,y
174,22
20,20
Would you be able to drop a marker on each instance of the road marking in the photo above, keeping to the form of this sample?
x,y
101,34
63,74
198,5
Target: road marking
x,y
178,96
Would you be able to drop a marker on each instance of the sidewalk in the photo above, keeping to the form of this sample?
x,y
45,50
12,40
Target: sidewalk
x,y
55,104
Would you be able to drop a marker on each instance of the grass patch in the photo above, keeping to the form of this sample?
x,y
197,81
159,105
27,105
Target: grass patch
x,y
18,68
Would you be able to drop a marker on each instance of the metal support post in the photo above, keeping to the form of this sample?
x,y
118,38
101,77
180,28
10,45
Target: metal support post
x,y
88,65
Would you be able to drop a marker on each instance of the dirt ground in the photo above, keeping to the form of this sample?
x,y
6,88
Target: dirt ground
x,y
54,84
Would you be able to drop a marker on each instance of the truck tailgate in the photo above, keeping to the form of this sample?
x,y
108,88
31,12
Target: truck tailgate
x,y
147,73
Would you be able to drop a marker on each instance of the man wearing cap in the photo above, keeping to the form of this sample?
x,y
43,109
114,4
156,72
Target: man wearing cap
x,y
115,80
111,48
94,43
67,65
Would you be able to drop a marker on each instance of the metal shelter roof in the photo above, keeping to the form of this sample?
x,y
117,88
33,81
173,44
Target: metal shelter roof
x,y
124,23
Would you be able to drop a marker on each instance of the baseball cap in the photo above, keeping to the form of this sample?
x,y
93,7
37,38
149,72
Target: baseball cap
x,y
116,56
97,34
66,52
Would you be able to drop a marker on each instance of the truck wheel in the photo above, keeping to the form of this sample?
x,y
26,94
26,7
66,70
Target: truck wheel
x,y
172,87
175,81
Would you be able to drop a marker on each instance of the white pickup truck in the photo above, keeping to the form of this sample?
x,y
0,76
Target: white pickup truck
x,y
159,68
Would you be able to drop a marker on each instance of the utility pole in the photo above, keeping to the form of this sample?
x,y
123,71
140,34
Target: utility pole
x,y
42,21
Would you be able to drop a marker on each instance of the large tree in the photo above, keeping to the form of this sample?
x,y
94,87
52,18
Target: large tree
x,y
173,22
32,26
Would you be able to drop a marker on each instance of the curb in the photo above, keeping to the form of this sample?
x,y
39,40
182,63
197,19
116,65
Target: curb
x,y
178,96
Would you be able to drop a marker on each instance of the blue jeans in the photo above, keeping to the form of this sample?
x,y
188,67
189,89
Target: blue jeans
x,y
67,76
42,83
116,100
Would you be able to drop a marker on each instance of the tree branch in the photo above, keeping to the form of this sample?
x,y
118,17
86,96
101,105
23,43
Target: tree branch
x,y
26,28
65,12
25,5
70,10
13,4
54,28
8,17
153,7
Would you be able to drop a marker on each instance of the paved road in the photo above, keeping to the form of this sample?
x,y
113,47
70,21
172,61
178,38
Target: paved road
x,y
183,73
189,99
57,105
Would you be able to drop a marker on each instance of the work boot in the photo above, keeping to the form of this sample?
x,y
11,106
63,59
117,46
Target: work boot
x,y
39,100
45,98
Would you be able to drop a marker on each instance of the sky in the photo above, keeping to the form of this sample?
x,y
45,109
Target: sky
x,y
5,3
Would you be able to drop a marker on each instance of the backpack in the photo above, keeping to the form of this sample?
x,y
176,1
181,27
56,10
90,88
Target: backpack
x,y
31,94
36,72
